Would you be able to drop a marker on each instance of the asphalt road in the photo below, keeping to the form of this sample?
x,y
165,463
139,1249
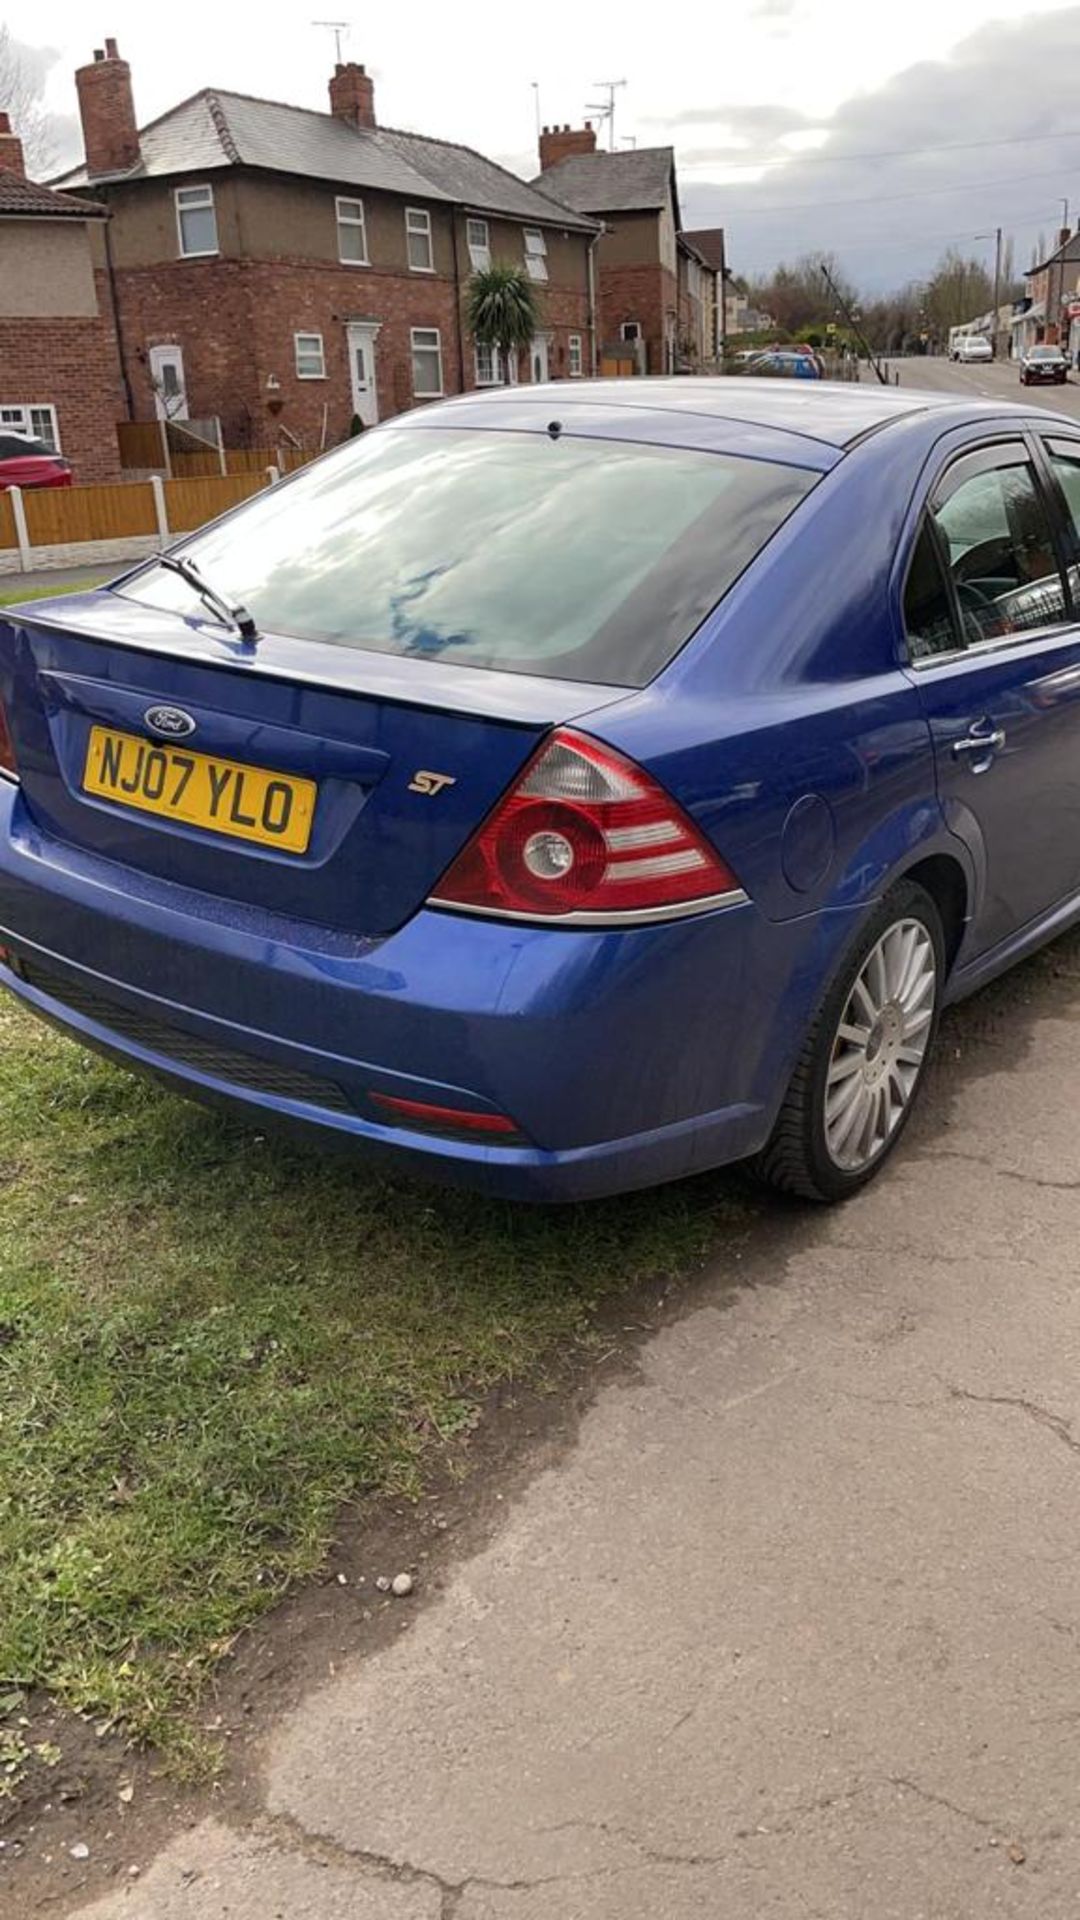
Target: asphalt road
x,y
993,380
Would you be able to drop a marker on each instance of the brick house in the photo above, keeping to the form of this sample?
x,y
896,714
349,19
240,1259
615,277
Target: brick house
x,y
284,269
710,246
1053,289
59,374
635,195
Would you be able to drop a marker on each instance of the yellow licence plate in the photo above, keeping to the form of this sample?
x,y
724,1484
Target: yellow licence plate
x,y
223,796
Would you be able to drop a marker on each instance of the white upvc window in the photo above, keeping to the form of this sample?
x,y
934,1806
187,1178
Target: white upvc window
x,y
573,348
536,265
196,221
488,365
310,359
34,422
418,240
426,362
479,242
351,233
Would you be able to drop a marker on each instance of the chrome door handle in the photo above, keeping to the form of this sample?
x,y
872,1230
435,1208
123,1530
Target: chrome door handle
x,y
981,743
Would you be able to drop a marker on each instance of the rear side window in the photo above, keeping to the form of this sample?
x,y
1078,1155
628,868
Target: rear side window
x,y
928,616
580,559
1000,549
1064,456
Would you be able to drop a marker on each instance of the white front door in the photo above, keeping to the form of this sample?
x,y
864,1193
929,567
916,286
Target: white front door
x,y
167,379
538,358
365,394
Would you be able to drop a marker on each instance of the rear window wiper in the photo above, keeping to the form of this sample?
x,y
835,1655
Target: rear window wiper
x,y
236,616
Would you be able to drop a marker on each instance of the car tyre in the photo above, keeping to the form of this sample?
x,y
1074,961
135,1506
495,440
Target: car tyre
x,y
802,1155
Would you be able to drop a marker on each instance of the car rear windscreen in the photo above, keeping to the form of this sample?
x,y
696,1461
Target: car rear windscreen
x,y
582,559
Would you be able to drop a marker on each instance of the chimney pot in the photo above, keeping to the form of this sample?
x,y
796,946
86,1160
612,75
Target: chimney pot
x,y
352,94
107,112
558,143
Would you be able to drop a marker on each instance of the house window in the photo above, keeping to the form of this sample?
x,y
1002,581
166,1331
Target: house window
x,y
535,254
479,239
488,366
351,233
310,360
196,221
418,240
426,363
631,330
34,423
574,356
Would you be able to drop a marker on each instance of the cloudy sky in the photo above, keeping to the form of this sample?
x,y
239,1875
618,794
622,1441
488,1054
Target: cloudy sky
x,y
797,124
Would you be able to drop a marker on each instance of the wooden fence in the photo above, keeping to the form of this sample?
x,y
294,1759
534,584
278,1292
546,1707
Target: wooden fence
x,y
142,512
188,503
63,516
144,447
141,443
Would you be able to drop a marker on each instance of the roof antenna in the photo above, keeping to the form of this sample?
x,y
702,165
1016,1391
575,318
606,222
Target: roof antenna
x,y
606,108
337,28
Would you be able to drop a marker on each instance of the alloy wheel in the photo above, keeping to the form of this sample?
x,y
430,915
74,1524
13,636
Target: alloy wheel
x,y
880,1044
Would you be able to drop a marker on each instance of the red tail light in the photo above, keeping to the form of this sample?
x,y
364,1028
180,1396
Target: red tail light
x,y
586,836
7,749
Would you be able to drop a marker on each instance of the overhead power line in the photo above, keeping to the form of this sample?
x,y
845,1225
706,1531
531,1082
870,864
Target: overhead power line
x,y
884,199
803,159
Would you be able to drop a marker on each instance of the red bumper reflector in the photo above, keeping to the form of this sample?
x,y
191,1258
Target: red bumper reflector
x,y
423,1113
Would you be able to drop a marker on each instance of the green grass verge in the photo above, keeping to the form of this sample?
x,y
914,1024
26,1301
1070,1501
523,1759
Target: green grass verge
x,y
14,596
210,1340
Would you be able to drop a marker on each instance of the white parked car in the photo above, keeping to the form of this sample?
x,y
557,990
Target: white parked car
x,y
972,346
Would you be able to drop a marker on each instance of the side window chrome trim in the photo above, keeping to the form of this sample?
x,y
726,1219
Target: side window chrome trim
x,y
1064,636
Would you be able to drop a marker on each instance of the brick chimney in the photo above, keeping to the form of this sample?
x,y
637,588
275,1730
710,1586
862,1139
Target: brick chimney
x,y
107,111
352,94
11,153
558,143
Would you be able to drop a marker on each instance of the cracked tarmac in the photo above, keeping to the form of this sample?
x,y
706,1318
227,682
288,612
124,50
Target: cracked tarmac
x,y
791,1629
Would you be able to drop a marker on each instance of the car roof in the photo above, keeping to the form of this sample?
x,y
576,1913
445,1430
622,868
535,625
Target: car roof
x,y
720,411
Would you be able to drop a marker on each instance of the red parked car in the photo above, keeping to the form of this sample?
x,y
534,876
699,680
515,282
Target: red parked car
x,y
30,463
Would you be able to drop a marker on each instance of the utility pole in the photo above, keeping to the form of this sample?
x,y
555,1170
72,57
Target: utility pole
x,y
997,288
721,331
854,325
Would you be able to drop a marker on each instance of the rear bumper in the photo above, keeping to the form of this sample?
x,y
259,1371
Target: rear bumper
x,y
625,1058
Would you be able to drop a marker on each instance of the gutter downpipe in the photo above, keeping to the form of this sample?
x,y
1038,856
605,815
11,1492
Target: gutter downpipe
x,y
121,353
594,344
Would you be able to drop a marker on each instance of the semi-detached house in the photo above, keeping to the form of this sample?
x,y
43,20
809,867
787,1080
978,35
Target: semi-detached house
x,y
285,270
59,376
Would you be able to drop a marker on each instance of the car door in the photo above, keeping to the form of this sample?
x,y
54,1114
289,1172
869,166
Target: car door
x,y
994,647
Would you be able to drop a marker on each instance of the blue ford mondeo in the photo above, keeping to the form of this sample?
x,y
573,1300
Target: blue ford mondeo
x,y
567,789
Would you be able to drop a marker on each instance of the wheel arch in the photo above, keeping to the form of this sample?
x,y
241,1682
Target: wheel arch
x,y
943,877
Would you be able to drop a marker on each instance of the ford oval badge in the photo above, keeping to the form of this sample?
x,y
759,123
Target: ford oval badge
x,y
173,722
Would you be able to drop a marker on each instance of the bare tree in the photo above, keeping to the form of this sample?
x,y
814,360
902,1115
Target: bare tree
x,y
22,87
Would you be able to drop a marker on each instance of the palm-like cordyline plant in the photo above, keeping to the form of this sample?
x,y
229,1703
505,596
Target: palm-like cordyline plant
x,y
502,311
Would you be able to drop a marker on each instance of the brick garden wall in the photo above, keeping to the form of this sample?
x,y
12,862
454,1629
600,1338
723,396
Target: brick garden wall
x,y
69,364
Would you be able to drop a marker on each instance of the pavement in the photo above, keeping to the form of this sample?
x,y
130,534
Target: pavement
x,y
40,579
792,1628
790,1631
